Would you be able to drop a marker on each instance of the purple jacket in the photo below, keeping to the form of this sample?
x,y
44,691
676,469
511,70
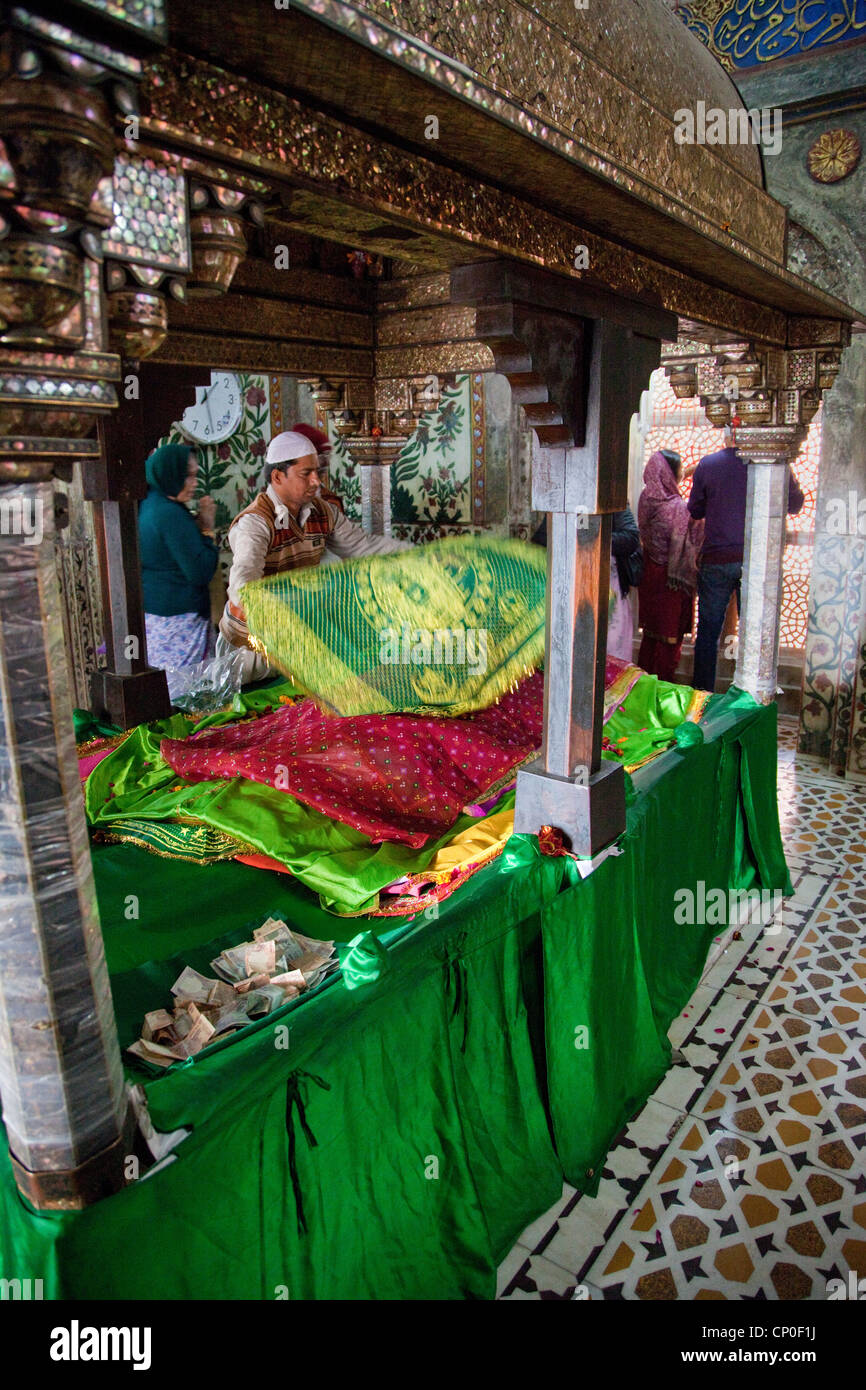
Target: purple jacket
x,y
719,495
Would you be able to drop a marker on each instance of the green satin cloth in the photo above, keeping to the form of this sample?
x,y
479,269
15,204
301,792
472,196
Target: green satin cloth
x,y
339,863
646,723
87,726
362,960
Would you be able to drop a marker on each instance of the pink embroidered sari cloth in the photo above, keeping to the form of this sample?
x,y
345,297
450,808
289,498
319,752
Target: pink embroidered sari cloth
x,y
393,777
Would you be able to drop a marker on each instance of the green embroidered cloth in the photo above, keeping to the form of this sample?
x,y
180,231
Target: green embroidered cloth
x,y
443,629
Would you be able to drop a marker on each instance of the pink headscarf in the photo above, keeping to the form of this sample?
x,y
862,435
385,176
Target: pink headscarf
x,y
670,536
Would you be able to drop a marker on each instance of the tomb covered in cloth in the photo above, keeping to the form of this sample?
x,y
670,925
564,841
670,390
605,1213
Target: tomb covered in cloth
x,y
371,198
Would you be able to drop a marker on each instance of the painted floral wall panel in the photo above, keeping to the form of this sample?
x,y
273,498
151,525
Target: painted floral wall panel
x,y
437,481
231,472
834,654
344,476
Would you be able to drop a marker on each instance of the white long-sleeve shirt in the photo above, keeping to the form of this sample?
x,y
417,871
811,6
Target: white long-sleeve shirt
x,y
249,539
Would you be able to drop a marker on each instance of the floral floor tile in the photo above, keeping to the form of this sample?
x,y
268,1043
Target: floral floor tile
x,y
719,1219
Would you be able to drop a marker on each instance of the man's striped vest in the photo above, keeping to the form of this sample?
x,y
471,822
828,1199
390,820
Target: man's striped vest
x,y
289,548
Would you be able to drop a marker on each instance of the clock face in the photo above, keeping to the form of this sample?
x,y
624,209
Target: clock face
x,y
217,411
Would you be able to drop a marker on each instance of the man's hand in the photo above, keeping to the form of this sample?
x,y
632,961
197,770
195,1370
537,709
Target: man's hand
x,y
206,515
237,612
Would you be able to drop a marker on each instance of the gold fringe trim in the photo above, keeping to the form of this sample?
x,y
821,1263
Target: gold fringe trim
x,y
102,745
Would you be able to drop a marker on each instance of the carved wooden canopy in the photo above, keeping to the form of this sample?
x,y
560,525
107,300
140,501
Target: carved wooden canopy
x,y
554,129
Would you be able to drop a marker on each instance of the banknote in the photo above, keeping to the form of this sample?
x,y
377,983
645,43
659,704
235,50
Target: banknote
x,y
156,1025
191,985
252,979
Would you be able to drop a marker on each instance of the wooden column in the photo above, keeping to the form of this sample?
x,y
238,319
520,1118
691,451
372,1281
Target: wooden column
x,y
128,690
577,361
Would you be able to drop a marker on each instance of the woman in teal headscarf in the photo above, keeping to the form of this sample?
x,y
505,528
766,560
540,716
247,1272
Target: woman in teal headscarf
x,y
178,560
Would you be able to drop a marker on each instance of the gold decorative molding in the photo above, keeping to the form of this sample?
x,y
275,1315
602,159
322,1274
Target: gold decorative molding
x,y
195,105
264,355
804,332
438,359
258,317
445,324
415,292
300,283
529,63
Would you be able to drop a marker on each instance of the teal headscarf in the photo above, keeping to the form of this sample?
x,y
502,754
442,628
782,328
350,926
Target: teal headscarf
x,y
166,469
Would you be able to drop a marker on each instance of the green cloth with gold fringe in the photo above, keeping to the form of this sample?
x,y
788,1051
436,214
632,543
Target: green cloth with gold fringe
x,y
443,629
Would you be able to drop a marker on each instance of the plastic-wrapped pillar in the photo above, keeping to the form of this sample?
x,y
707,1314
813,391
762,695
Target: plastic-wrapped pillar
x,y
761,585
61,1077
376,499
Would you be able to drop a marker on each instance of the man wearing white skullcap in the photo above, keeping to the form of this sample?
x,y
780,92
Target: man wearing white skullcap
x,y
287,526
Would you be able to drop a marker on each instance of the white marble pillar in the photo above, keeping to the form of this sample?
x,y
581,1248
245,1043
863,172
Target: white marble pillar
x,y
761,586
376,498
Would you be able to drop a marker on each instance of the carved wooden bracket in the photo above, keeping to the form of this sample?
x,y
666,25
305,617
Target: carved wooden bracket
x,y
577,362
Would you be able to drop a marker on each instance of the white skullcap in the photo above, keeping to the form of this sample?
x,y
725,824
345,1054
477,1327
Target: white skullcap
x,y
289,445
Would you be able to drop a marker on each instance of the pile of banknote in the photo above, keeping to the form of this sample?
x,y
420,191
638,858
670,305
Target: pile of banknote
x,y
254,978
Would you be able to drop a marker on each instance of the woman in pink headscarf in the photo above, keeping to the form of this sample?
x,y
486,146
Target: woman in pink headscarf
x,y
671,541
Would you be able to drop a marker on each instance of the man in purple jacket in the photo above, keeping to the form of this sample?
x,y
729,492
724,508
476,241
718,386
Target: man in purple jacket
x,y
719,495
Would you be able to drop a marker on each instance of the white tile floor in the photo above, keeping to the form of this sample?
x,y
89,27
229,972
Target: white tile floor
x,y
743,1175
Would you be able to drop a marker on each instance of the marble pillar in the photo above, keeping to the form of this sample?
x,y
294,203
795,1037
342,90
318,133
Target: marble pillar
x,y
761,586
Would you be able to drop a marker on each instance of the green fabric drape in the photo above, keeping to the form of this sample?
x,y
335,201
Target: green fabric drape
x,y
617,963
87,726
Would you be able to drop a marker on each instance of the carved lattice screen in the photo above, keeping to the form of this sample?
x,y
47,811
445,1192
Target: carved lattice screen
x,y
682,425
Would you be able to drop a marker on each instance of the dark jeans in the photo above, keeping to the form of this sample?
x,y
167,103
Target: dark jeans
x,y
716,583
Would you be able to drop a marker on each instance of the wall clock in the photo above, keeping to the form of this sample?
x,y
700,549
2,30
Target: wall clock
x,y
217,411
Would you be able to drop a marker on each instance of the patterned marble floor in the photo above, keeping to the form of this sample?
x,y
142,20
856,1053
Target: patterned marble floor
x,y
744,1176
